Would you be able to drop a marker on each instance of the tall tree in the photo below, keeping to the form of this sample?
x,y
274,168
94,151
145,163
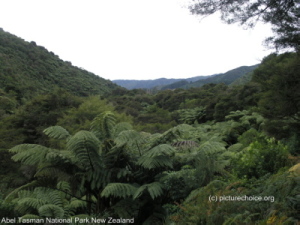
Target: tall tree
x,y
283,15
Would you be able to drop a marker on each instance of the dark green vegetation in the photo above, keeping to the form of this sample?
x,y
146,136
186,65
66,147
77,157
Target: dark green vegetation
x,y
27,70
172,157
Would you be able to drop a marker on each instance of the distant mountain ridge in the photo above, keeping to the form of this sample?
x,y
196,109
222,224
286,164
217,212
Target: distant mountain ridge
x,y
163,83
27,70
148,84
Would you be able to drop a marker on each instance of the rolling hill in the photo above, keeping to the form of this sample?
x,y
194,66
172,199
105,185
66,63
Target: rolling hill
x,y
158,83
162,84
28,69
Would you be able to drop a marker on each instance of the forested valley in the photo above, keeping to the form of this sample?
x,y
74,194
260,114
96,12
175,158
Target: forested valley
x,y
78,149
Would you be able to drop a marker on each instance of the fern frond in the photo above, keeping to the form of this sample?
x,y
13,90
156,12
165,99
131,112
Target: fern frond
x,y
155,162
185,144
15,192
130,137
55,197
29,154
98,178
57,132
60,157
123,126
50,210
212,147
85,146
64,186
30,216
236,147
157,157
123,173
31,202
76,203
121,190
53,172
103,125
162,149
155,189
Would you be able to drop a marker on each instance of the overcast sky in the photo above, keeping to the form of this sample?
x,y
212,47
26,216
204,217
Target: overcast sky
x,y
134,39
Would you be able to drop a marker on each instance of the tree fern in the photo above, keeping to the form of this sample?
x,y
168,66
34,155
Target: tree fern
x,y
184,131
124,172
77,203
121,190
131,138
155,190
57,132
212,147
29,204
191,116
157,157
29,154
160,161
51,211
59,157
86,147
15,192
185,144
64,186
103,125
119,127
53,172
30,216
162,149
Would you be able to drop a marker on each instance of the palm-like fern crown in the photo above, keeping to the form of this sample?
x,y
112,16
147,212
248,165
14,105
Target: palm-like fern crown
x,y
103,125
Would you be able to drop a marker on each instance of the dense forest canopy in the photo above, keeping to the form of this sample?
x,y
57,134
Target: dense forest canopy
x,y
75,147
28,69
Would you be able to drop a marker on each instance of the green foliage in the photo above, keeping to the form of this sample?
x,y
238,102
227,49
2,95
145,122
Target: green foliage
x,y
278,204
263,156
119,190
154,189
57,132
29,154
28,70
50,210
88,164
86,148
41,112
157,157
278,76
190,116
103,125
6,209
180,183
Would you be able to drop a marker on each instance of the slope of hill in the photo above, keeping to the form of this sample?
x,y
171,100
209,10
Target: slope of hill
x,y
226,78
163,83
243,79
148,84
28,69
144,84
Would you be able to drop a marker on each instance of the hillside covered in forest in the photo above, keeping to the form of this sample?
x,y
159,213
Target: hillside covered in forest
x,y
28,69
228,78
78,149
